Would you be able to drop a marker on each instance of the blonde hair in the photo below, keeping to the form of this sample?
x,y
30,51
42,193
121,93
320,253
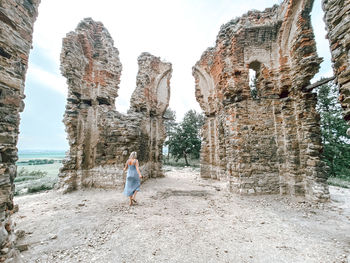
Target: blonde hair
x,y
133,155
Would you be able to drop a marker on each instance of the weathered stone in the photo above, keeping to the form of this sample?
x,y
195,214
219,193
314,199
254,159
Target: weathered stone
x,y
337,19
100,138
20,233
3,235
16,28
266,144
258,146
22,247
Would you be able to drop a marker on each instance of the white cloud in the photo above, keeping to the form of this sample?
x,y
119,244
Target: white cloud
x,y
48,79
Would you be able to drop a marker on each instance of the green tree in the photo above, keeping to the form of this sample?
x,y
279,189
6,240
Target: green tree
x,y
333,127
253,84
184,139
170,125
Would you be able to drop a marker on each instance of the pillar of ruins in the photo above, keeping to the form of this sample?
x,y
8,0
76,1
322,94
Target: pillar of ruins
x,y
100,137
268,143
337,19
16,29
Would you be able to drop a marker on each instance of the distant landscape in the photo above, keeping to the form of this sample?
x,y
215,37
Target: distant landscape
x,y
37,170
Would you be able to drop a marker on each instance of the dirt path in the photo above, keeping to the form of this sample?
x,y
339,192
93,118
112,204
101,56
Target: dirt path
x,y
182,218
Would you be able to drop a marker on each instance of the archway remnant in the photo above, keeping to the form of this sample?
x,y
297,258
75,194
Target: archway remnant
x,y
254,71
271,143
101,138
337,17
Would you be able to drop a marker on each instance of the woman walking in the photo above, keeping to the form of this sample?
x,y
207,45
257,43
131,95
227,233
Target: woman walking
x,y
132,184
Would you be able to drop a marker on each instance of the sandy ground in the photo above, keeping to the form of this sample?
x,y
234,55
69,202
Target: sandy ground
x,y
182,218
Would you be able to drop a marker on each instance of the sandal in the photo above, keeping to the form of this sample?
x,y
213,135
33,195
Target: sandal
x,y
134,201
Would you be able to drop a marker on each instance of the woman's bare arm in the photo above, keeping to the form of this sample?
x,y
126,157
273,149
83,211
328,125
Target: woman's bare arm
x,y
137,168
126,165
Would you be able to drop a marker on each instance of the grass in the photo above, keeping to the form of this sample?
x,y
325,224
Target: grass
x,y
343,182
181,162
36,178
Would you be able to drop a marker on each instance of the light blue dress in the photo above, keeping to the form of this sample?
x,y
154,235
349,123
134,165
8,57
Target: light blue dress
x,y
132,180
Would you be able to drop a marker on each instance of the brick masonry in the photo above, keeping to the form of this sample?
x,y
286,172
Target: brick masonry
x,y
100,137
337,19
16,28
271,143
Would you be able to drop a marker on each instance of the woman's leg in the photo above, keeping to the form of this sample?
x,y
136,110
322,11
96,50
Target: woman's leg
x,y
130,200
134,195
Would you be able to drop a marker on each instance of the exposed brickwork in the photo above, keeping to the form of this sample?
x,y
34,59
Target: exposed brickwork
x,y
337,19
270,144
16,28
265,145
100,138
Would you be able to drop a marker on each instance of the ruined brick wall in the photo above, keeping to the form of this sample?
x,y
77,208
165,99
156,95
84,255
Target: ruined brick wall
x,y
337,19
16,29
271,143
100,138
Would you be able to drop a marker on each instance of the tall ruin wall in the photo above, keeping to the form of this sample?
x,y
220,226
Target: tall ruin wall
x,y
16,29
100,137
337,19
269,143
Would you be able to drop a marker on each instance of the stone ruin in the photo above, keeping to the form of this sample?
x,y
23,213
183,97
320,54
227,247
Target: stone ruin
x,y
16,29
100,138
337,19
267,145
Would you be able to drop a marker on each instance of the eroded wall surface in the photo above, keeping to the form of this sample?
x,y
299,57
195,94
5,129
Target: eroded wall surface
x,y
337,19
100,137
16,28
270,143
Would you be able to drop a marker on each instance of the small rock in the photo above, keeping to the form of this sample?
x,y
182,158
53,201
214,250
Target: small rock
x,y
53,236
22,247
81,204
15,209
20,233
4,250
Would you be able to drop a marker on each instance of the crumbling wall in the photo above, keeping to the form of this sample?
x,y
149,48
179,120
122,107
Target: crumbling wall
x,y
100,138
16,29
269,143
337,19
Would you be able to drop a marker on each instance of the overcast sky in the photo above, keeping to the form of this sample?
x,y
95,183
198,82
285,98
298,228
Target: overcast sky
x,y
177,31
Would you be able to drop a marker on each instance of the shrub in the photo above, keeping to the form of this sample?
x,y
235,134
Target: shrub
x,y
25,175
34,181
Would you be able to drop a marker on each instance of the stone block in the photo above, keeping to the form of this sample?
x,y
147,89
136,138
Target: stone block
x,y
102,139
268,138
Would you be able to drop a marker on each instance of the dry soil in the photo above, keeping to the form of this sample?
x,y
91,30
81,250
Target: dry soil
x,y
183,218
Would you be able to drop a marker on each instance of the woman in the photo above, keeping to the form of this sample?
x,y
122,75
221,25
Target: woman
x,y
132,185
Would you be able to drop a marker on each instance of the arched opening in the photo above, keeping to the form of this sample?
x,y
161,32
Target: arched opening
x,y
13,100
254,73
